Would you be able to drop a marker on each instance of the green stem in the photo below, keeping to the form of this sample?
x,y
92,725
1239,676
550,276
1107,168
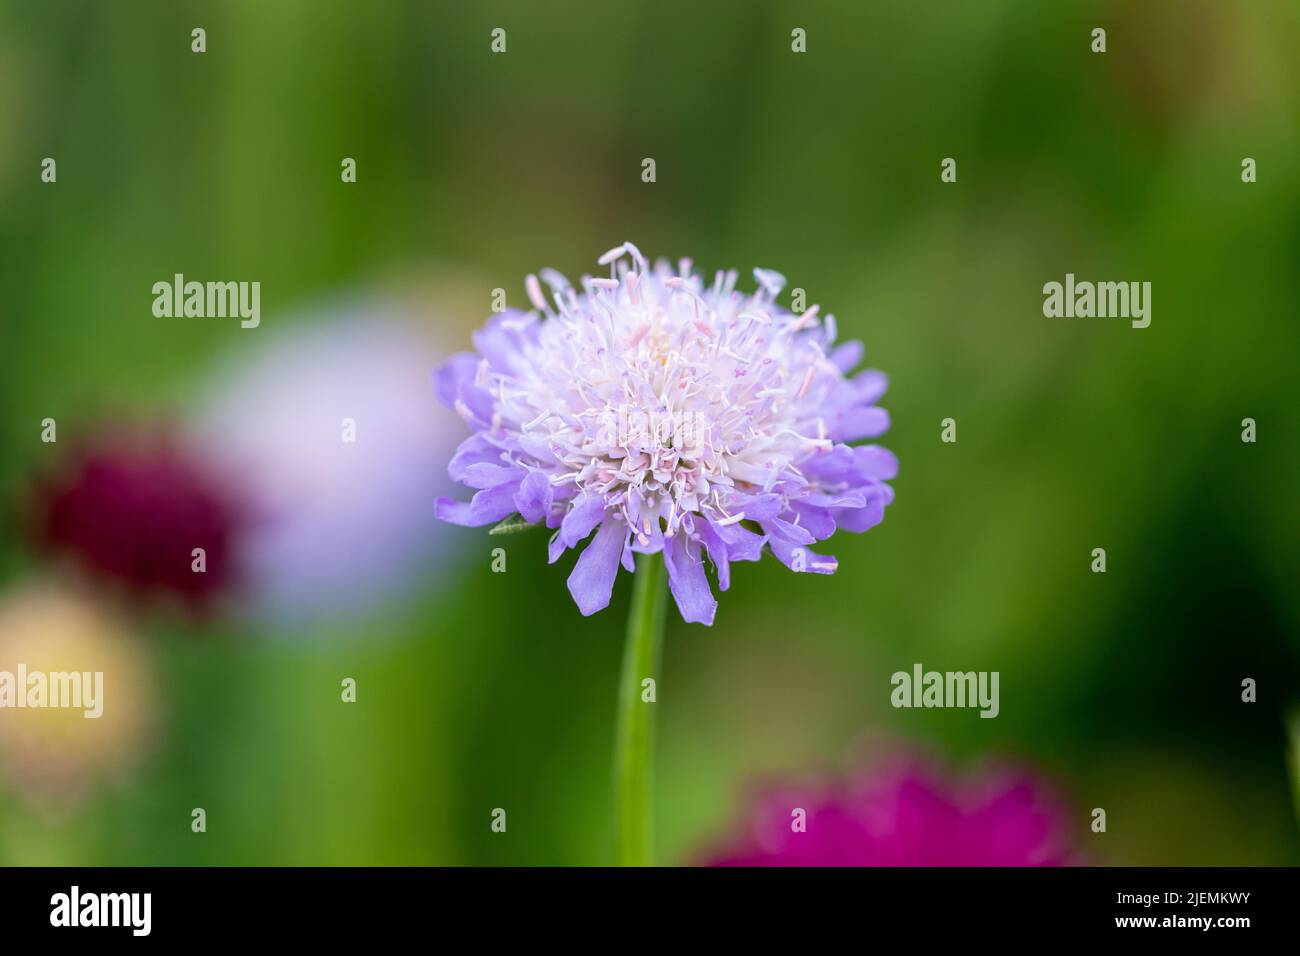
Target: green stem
x,y
634,745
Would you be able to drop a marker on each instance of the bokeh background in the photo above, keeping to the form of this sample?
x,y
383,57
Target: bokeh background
x,y
478,690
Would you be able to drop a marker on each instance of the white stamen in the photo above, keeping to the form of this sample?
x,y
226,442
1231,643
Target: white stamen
x,y
534,289
807,381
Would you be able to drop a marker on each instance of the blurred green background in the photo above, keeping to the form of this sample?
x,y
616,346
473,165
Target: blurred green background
x,y
485,690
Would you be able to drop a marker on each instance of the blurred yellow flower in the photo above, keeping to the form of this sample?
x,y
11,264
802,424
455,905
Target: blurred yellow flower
x,y
53,637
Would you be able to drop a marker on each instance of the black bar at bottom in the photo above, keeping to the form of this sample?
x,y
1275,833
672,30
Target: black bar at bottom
x,y
458,906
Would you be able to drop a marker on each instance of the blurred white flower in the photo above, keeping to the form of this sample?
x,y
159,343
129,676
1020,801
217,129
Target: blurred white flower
x,y
330,427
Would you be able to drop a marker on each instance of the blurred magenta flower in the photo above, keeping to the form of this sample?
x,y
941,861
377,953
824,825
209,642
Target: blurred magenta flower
x,y
328,427
668,416
133,506
905,813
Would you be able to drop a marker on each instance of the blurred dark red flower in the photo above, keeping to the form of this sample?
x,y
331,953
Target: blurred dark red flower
x,y
136,509
904,813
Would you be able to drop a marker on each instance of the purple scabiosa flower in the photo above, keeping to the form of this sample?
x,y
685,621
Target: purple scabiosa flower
x,y
667,414
904,813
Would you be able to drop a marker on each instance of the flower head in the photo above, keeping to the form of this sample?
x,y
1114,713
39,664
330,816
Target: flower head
x,y
325,431
55,756
134,507
904,814
667,414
